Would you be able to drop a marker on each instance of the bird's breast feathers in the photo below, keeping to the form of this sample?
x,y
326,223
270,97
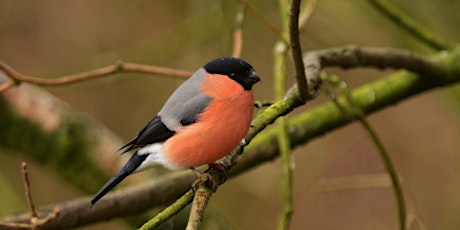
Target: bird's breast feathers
x,y
219,128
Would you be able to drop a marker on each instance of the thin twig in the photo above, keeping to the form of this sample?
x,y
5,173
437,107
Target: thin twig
x,y
287,196
238,42
15,226
389,166
280,53
117,68
264,20
238,34
412,26
357,112
7,85
30,202
307,13
296,50
34,221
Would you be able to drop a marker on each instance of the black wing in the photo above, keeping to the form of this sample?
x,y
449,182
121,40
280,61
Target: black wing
x,y
155,131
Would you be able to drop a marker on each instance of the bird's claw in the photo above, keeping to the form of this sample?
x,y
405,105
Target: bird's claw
x,y
219,168
208,176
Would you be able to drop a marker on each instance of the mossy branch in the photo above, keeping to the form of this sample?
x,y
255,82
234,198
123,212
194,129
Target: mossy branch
x,y
200,202
442,70
439,70
170,211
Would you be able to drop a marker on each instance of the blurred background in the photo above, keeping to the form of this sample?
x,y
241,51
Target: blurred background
x,y
55,38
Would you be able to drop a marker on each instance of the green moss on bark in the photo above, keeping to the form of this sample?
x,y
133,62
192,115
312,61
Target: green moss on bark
x,y
65,151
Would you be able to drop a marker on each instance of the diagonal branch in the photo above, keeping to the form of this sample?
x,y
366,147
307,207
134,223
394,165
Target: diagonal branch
x,y
361,117
170,211
264,20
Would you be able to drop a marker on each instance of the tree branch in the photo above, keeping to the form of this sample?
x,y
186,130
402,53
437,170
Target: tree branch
x,y
238,34
131,200
296,50
170,211
200,202
302,128
369,98
30,202
389,166
34,116
6,85
354,56
117,68
264,20
307,13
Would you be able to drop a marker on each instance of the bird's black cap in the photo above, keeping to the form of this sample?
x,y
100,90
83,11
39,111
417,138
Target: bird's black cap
x,y
235,68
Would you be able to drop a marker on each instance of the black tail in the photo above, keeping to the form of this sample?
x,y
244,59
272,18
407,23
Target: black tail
x,y
133,163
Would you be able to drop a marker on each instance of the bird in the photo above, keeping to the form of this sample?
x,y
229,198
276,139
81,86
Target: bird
x,y
204,119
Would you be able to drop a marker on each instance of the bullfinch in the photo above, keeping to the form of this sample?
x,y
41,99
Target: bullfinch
x,y
202,121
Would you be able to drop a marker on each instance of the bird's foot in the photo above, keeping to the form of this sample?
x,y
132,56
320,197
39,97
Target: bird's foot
x,y
218,168
210,177
199,177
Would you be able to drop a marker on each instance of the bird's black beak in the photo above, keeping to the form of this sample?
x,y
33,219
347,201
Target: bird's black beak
x,y
254,77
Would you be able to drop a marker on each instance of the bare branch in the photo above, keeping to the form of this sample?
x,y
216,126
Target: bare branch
x,y
93,74
34,221
131,200
294,34
307,13
6,85
238,34
280,53
264,20
354,56
200,202
30,203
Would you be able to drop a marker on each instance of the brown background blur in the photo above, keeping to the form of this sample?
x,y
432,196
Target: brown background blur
x,y
55,38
